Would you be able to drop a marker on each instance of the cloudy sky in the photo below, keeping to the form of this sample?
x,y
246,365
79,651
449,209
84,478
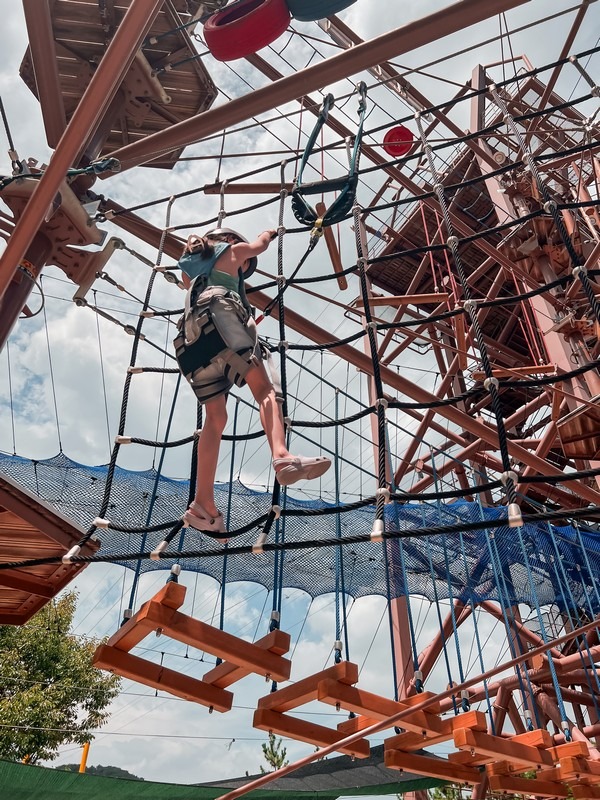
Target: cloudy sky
x,y
63,373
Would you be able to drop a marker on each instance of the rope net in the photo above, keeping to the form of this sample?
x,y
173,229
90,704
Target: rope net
x,y
437,567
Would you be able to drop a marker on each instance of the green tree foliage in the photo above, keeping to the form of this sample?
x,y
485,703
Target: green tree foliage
x,y
103,772
274,754
50,694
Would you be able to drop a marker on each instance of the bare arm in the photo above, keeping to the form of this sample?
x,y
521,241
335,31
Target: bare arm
x,y
242,251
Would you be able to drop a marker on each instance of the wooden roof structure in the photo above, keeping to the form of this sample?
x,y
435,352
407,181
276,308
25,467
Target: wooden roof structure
x,y
30,528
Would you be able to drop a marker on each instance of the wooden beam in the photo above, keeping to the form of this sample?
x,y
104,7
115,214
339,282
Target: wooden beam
x,y
500,748
306,690
527,786
224,645
268,720
15,579
332,248
226,673
580,768
159,677
413,740
432,767
172,596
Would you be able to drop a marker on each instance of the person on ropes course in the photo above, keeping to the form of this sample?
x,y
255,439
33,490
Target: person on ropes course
x,y
217,346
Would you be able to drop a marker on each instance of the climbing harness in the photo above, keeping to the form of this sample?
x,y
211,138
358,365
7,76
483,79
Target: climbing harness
x,y
217,342
346,185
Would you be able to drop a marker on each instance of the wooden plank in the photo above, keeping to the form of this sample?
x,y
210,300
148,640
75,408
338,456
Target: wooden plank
x,y
582,791
202,636
354,724
284,725
569,749
528,786
580,768
358,700
227,673
500,748
15,579
332,248
432,767
411,740
465,757
360,722
159,677
512,768
171,596
539,737
306,689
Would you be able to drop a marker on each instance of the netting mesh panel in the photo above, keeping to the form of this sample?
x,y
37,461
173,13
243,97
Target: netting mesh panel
x,y
479,565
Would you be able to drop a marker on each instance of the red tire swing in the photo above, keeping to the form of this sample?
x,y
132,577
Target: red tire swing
x,y
245,27
311,10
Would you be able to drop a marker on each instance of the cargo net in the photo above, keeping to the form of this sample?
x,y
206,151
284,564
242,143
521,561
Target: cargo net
x,y
474,565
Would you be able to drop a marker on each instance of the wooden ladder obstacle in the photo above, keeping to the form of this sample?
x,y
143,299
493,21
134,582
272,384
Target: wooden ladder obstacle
x,y
335,686
424,728
557,768
240,658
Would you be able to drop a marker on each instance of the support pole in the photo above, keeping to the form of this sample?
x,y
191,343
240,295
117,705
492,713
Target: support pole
x,y
19,289
84,757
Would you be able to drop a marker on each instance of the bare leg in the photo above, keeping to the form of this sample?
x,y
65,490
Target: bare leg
x,y
270,410
209,443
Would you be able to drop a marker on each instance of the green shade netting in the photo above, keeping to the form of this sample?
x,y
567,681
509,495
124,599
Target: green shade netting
x,y
25,782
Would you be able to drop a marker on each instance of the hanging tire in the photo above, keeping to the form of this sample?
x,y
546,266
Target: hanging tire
x,y
244,27
311,10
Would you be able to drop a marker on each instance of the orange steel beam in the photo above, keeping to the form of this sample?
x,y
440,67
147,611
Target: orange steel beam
x,y
43,56
104,84
415,34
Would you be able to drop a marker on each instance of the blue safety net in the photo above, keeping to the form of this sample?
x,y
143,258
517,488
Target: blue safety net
x,y
536,567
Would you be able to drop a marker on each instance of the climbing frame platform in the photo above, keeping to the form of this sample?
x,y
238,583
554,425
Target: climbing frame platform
x,y
336,686
31,528
239,657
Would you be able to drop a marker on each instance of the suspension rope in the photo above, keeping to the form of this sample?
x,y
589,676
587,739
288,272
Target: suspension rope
x,y
470,306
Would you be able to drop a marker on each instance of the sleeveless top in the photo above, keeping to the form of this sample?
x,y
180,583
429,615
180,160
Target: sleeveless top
x,y
194,265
